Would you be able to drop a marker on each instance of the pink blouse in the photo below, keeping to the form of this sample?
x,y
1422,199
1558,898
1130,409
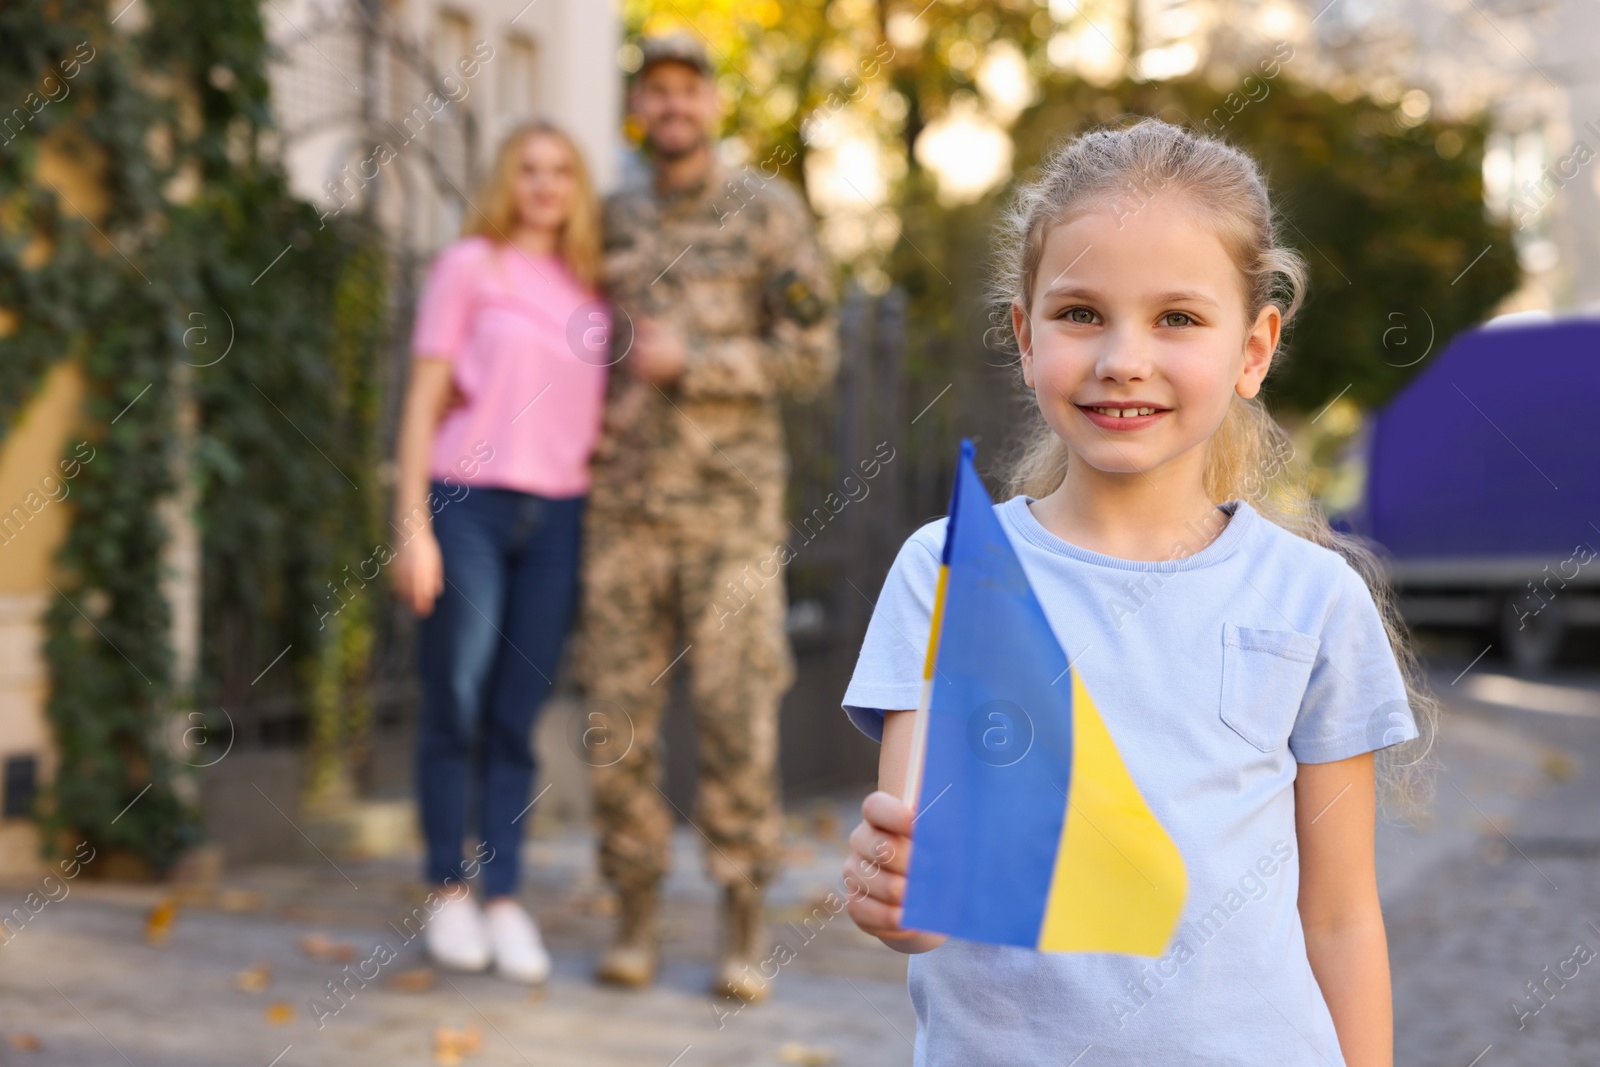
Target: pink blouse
x,y
527,344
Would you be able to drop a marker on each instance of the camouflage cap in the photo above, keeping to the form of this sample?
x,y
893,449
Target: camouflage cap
x,y
673,48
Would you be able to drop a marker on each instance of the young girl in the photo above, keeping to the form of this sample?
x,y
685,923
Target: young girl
x,y
1238,655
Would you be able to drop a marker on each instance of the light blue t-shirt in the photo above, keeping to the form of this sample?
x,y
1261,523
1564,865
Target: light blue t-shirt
x,y
1216,674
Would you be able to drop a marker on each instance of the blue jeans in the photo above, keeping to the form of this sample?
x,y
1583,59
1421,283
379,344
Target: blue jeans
x,y
489,654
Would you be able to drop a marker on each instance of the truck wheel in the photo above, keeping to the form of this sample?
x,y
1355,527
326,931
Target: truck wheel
x,y
1530,640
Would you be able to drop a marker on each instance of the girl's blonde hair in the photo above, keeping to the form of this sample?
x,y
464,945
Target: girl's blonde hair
x,y
1250,457
496,211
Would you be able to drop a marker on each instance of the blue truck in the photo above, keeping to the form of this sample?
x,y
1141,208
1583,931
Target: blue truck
x,y
1483,487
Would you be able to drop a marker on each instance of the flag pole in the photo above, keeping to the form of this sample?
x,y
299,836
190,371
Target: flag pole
x,y
919,728
919,746
919,731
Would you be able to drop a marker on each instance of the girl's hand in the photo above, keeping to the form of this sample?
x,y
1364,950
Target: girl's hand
x,y
875,873
419,572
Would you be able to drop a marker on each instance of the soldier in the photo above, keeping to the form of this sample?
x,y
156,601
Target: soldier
x,y
728,298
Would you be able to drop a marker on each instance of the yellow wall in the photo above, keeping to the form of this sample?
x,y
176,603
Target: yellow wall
x,y
32,521
31,477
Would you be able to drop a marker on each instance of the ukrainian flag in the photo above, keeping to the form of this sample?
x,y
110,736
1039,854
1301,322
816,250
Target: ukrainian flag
x,y
1029,829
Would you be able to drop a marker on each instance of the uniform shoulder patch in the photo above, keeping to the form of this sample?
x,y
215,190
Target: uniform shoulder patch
x,y
798,299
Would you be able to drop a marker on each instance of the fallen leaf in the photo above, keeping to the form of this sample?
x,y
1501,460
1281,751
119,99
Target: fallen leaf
x,y
799,855
341,952
313,945
413,893
239,900
195,895
320,946
805,1055
416,980
826,824
158,924
816,911
450,1046
279,1012
1494,826
254,979
1559,766
23,1041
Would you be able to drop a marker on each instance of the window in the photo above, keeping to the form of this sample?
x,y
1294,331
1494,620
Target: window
x,y
451,44
21,785
519,93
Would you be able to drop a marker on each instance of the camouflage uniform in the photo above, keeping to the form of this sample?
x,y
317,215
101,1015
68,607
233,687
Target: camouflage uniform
x,y
685,517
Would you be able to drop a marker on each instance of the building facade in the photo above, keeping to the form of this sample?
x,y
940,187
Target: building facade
x,y
388,108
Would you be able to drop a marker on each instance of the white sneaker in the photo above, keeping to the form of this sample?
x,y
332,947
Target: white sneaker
x,y
519,952
456,936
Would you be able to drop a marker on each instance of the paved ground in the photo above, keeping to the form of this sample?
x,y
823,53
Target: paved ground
x,y
1500,886
1511,887
84,979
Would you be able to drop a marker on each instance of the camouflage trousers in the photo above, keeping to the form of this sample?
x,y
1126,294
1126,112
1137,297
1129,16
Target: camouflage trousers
x,y
659,597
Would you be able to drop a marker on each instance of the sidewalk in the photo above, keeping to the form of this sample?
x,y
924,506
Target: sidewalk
x,y
1490,897
232,980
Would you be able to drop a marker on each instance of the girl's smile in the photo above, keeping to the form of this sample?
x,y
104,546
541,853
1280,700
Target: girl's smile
x,y
1123,415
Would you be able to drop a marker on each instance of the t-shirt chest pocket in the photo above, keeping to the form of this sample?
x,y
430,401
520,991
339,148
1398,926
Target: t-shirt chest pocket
x,y
1264,679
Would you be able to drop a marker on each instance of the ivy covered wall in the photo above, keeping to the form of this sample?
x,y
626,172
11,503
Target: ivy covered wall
x,y
147,231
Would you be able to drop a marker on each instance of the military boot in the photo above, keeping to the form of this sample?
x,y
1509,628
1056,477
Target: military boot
x,y
739,967
634,956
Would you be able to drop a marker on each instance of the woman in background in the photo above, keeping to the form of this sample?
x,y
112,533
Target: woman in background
x,y
500,416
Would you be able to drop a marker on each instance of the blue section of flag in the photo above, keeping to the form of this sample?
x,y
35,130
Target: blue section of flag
x,y
998,763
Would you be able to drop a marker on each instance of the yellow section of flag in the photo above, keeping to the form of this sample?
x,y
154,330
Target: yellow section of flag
x,y
1119,882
